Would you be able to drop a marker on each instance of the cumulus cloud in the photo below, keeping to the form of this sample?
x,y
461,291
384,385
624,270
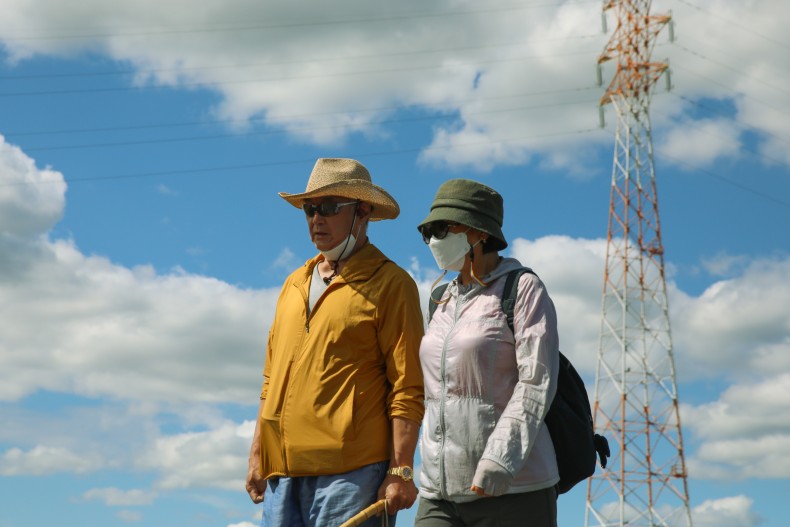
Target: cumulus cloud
x,y
699,144
165,347
31,199
491,72
115,497
745,433
739,325
735,511
215,458
129,516
85,325
44,460
572,271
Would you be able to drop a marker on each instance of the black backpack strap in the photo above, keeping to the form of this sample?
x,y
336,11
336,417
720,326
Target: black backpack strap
x,y
436,297
510,292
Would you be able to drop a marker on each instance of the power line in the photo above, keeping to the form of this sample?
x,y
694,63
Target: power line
x,y
735,70
291,25
722,179
736,24
378,56
312,127
737,121
230,168
729,89
252,81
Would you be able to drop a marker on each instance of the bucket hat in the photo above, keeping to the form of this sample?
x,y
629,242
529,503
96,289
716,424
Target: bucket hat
x,y
472,204
346,178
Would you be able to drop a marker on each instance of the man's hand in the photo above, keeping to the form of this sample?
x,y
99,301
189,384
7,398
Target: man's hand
x,y
400,494
256,485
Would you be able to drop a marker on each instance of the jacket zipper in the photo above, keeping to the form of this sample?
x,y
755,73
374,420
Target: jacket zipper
x,y
442,473
308,313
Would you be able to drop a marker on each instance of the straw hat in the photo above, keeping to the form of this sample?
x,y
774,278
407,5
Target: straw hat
x,y
346,178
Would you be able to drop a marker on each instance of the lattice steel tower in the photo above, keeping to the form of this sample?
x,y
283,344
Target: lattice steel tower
x,y
636,402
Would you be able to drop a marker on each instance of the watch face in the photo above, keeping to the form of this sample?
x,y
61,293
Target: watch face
x,y
407,473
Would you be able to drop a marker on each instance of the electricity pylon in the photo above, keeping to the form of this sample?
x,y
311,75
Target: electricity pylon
x,y
636,401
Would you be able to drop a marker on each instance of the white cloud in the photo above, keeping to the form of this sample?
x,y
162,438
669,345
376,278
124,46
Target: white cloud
x,y
115,497
723,265
215,458
472,64
31,199
163,189
740,325
571,269
735,511
84,325
743,434
698,144
158,345
285,261
43,460
129,516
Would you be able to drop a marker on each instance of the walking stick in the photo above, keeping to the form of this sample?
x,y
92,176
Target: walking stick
x,y
367,513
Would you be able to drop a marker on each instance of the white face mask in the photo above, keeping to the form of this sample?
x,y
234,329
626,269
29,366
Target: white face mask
x,y
450,251
341,250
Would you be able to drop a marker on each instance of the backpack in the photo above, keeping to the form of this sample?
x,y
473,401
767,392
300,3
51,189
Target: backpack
x,y
569,418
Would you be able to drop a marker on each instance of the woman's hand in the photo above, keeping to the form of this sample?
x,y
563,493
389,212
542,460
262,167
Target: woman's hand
x,y
480,492
491,479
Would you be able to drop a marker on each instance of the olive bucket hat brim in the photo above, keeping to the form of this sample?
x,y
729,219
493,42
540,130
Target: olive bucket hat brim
x,y
472,204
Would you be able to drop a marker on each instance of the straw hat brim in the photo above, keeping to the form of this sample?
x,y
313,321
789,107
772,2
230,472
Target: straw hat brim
x,y
384,206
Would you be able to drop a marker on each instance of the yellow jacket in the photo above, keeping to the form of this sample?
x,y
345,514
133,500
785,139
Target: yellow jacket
x,y
333,381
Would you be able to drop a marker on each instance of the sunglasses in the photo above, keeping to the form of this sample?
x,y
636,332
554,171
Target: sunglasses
x,y
435,229
325,209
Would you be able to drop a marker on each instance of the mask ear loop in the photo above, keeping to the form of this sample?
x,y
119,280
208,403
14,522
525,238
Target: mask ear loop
x,y
433,285
333,264
472,265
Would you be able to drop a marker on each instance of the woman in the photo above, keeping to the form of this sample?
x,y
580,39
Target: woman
x,y
487,457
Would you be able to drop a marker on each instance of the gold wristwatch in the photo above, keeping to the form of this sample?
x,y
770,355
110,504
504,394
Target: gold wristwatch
x,y
405,473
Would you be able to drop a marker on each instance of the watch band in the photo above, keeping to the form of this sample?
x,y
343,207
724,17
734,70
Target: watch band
x,y
405,473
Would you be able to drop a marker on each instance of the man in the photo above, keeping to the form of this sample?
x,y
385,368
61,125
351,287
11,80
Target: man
x,y
342,396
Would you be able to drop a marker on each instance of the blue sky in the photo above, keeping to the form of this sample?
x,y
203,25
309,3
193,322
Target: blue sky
x,y
142,243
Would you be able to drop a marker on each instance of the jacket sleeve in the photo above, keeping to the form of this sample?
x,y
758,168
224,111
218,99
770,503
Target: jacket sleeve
x,y
537,358
400,331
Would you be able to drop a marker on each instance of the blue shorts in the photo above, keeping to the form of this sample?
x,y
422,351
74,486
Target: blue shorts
x,y
323,501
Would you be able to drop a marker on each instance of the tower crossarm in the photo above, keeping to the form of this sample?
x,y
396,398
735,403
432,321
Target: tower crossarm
x,y
631,46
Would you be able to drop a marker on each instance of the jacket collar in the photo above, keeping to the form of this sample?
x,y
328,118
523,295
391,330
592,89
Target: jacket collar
x,y
360,267
505,266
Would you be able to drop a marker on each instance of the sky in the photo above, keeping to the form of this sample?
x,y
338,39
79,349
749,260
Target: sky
x,y
143,244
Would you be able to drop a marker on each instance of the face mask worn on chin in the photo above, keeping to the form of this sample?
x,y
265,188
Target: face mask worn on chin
x,y
341,250
346,247
450,251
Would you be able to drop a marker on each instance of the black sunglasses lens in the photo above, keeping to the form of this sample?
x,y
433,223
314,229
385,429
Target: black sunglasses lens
x,y
325,209
435,229
426,233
